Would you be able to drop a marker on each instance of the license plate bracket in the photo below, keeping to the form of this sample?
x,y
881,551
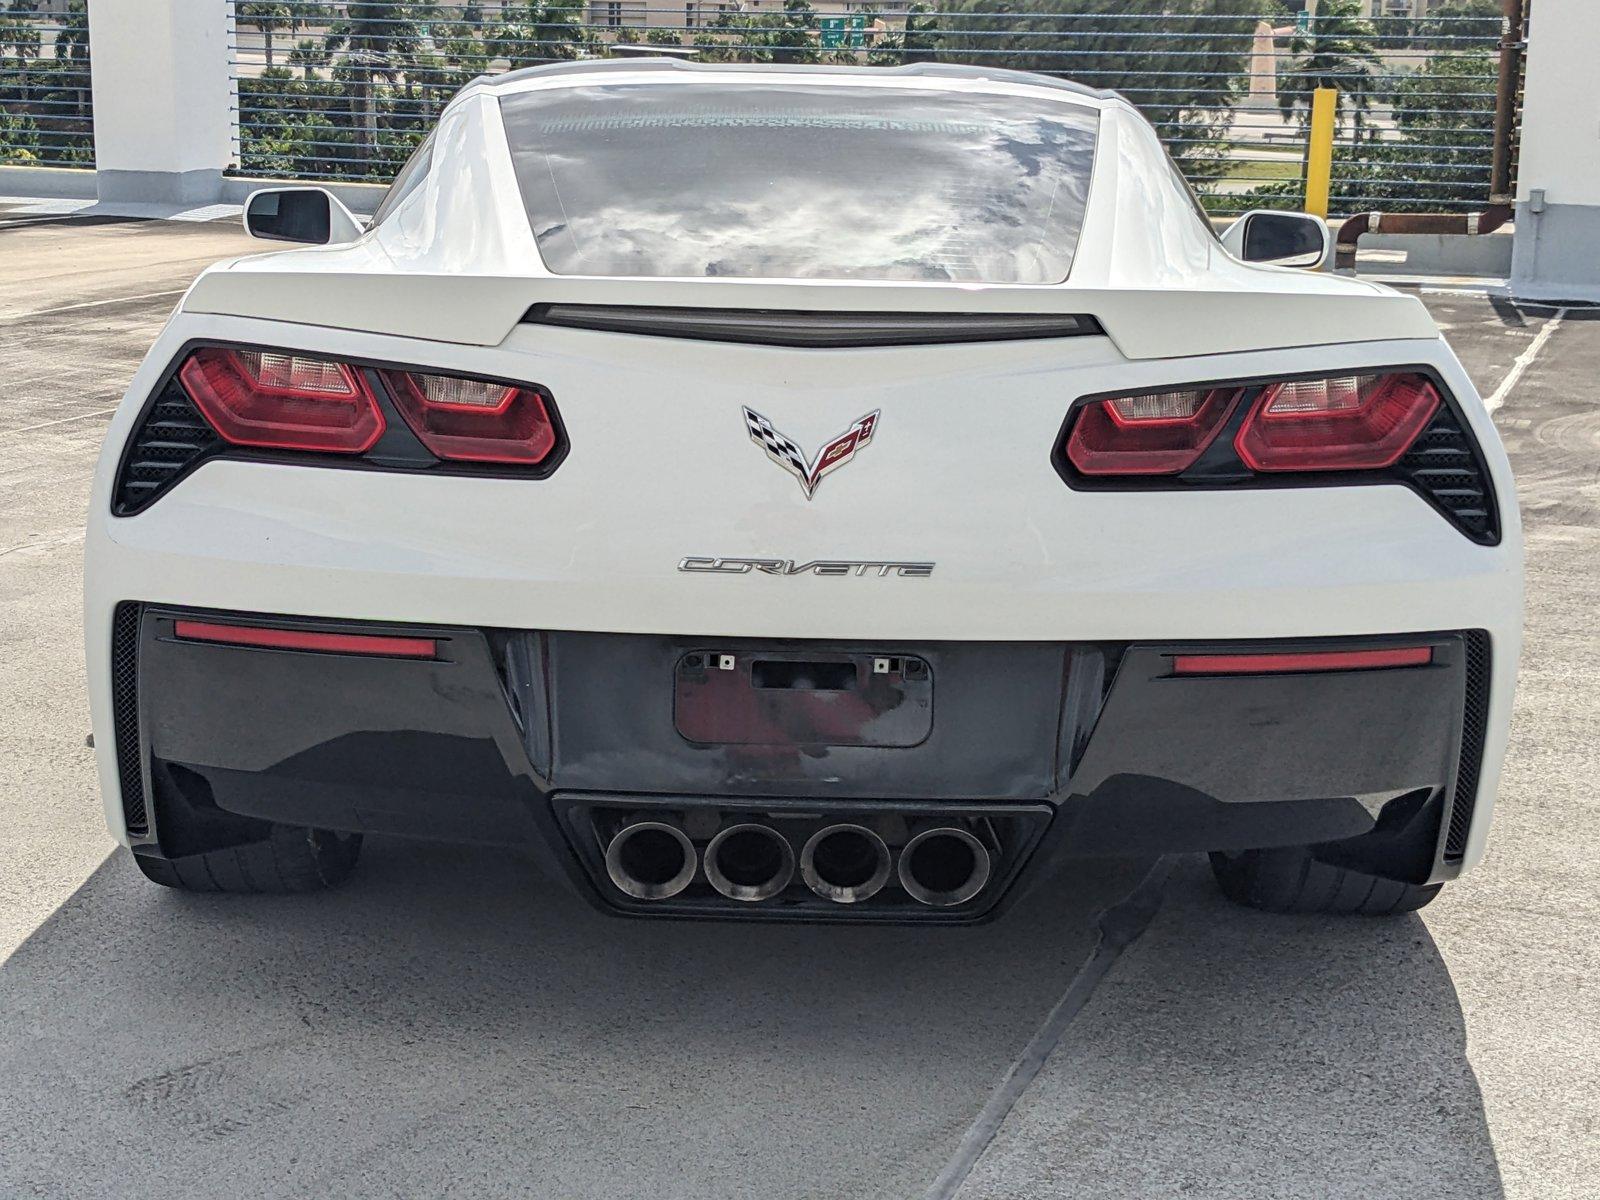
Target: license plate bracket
x,y
803,698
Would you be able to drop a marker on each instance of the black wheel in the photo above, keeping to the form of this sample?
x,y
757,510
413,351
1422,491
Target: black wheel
x,y
1292,880
205,849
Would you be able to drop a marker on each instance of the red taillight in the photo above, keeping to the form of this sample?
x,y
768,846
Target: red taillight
x,y
287,401
474,420
1312,660
1160,434
1340,423
1347,423
283,401
264,637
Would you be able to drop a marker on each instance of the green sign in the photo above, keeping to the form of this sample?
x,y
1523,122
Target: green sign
x,y
843,33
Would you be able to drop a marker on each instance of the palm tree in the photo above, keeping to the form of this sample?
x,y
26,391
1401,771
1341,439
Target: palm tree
x,y
268,20
1458,20
917,42
309,56
544,31
1335,52
72,48
794,37
1183,62
373,40
19,38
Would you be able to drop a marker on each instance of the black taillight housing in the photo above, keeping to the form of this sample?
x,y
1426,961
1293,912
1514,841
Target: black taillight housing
x,y
1394,425
268,404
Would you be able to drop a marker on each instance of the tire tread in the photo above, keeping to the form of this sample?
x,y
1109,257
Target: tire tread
x,y
289,859
1293,880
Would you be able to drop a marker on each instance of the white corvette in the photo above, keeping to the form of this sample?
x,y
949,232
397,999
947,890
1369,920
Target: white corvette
x,y
801,493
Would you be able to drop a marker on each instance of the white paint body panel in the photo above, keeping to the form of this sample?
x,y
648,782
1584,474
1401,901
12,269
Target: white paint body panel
x,y
661,467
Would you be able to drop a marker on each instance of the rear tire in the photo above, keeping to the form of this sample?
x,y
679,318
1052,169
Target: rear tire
x,y
203,848
1292,880
290,859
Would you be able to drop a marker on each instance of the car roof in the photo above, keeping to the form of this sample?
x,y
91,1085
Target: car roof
x,y
679,70
458,260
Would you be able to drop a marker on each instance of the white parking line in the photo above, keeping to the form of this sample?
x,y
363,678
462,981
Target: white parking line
x,y
37,545
44,312
99,412
1525,360
1485,289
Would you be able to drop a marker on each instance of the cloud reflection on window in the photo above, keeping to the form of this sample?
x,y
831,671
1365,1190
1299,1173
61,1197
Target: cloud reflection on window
x,y
786,181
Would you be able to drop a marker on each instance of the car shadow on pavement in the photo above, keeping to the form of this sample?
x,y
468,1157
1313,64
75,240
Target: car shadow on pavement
x,y
1236,1053
450,1023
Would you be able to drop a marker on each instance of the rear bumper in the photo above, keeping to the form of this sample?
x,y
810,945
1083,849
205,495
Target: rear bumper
x,y
662,469
1085,748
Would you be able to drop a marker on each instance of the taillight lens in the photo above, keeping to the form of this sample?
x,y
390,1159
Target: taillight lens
x,y
1161,434
1346,423
283,401
287,401
1339,423
474,420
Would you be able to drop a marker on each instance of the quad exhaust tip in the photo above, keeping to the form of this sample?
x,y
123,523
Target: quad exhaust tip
x,y
944,866
650,860
845,863
749,862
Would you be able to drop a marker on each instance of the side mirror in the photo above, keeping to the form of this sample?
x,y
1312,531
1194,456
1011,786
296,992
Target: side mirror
x,y
299,214
1285,239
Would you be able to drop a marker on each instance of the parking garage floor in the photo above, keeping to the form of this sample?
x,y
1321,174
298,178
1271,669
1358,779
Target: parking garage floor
x,y
450,1024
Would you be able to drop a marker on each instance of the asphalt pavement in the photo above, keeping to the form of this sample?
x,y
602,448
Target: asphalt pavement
x,y
451,1024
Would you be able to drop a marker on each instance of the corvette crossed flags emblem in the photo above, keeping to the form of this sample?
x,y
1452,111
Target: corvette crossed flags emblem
x,y
788,455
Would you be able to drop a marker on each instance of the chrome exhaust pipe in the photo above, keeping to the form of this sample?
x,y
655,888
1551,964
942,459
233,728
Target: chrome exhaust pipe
x,y
650,860
944,866
749,862
845,863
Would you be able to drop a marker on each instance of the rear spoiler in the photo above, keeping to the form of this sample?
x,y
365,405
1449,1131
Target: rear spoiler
x,y
812,330
1144,323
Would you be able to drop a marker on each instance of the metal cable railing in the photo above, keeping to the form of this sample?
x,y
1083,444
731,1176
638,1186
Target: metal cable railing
x,y
46,105
343,91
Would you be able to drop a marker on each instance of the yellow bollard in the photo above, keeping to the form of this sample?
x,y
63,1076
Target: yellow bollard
x,y
1319,153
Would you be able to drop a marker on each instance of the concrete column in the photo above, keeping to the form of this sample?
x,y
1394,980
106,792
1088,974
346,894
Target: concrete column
x,y
163,121
1557,252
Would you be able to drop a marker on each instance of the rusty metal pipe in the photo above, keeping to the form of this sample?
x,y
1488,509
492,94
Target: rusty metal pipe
x,y
1500,209
1512,44
1459,224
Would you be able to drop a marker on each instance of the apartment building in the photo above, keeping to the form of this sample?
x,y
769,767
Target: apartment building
x,y
697,14
1381,8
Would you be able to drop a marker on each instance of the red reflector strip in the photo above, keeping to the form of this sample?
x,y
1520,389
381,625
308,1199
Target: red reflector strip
x,y
1318,660
306,639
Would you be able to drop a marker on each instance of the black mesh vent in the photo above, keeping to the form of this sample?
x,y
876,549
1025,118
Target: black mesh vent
x,y
125,715
1444,466
172,437
1475,716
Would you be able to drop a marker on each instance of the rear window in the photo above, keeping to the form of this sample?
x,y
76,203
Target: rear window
x,y
413,173
787,181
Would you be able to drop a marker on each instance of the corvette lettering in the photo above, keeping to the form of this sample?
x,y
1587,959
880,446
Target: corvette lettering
x,y
820,566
